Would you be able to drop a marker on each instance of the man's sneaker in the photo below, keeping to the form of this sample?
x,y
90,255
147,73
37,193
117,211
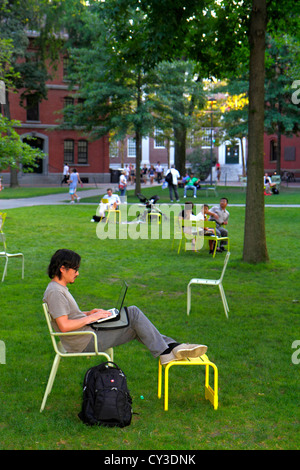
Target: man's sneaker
x,y
166,358
185,350
78,199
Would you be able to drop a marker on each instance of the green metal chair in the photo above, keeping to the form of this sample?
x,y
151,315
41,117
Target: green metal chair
x,y
2,220
212,225
61,352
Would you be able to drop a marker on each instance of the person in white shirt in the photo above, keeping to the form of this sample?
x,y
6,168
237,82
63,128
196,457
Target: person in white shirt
x,y
159,171
122,183
268,184
173,183
66,173
112,203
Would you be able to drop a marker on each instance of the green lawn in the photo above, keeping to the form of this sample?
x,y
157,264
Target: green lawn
x,y
258,382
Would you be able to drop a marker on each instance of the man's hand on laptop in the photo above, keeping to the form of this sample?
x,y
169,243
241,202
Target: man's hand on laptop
x,y
97,313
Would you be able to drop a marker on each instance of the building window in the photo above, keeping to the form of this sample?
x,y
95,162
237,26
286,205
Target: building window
x,y
68,108
273,151
131,147
290,154
69,151
82,151
66,64
159,140
232,154
32,108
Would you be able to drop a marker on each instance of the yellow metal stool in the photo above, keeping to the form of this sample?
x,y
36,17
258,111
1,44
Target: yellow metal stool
x,y
154,214
211,394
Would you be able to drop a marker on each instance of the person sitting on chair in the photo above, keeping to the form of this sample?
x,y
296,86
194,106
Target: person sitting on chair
x,y
268,185
108,201
220,215
191,184
67,317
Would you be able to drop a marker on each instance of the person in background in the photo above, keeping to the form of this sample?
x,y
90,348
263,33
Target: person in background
x,y
73,181
113,202
122,183
66,174
220,215
173,182
159,172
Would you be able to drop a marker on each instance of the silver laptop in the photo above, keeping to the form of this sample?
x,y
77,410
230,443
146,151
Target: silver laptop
x,y
115,312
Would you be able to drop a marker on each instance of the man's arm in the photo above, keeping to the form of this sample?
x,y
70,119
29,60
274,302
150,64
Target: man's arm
x,y
213,214
65,324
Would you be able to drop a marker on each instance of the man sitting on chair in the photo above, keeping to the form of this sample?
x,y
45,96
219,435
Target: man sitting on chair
x,y
66,317
191,183
220,215
108,201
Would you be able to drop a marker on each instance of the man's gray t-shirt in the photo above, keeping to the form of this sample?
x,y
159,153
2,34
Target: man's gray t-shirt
x,y
60,302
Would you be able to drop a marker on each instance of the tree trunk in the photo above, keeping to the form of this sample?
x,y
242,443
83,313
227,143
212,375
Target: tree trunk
x,y
138,139
180,149
255,247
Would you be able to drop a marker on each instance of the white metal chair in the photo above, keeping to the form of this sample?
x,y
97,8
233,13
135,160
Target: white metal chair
x,y
4,254
61,352
210,282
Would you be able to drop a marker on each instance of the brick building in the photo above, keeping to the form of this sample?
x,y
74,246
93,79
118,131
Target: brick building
x,y
91,159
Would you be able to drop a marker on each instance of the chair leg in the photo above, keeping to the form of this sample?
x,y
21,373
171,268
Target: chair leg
x,y
159,379
22,267
5,269
50,380
188,299
223,297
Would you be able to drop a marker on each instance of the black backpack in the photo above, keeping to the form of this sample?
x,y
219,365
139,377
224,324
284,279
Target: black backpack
x,y
106,398
169,177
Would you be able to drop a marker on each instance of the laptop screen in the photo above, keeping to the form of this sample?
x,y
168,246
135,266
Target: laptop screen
x,y
122,296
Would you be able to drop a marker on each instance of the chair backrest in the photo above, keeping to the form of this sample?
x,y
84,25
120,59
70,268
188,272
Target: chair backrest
x,y
225,265
2,220
192,223
210,224
48,320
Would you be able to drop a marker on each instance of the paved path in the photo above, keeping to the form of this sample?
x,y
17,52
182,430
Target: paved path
x,y
51,199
